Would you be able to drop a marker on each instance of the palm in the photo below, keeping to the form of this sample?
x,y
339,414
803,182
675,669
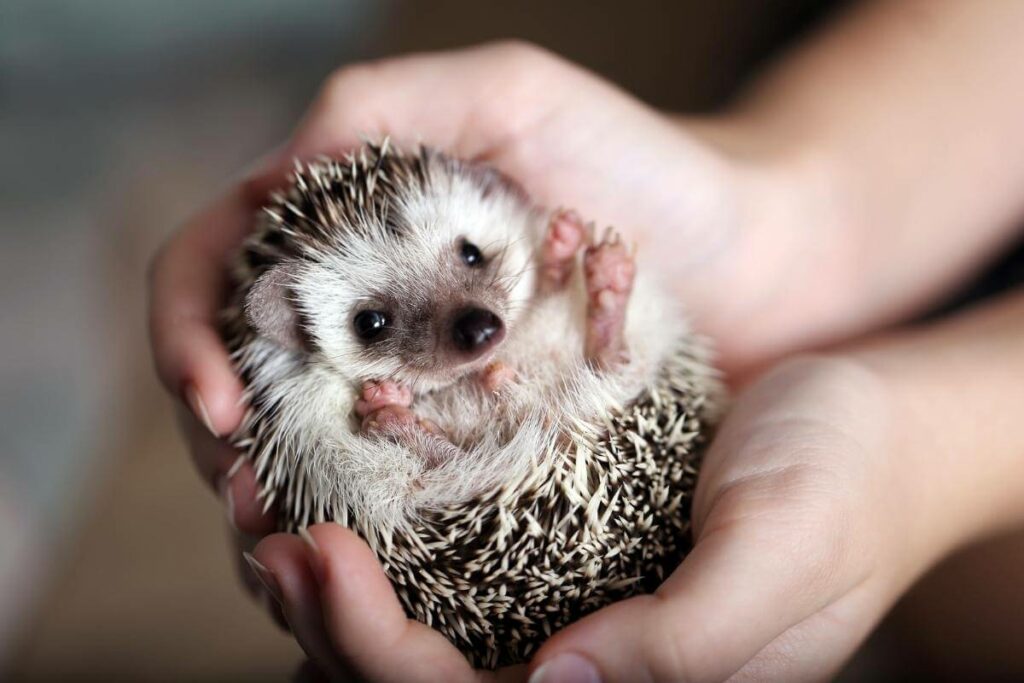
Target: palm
x,y
782,498
786,519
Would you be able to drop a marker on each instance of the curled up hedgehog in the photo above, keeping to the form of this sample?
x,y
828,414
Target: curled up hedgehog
x,y
487,392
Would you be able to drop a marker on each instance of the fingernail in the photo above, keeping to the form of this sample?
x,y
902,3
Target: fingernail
x,y
316,558
224,486
266,578
195,402
235,466
566,668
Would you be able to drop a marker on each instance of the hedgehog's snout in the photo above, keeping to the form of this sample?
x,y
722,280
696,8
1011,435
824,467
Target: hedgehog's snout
x,y
475,331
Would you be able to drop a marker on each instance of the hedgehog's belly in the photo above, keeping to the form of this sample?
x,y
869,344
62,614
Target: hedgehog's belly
x,y
471,416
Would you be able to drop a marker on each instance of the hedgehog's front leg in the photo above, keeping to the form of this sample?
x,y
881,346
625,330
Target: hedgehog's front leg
x,y
384,408
566,234
608,270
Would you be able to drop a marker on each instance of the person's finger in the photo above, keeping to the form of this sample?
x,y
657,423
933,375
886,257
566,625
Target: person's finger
x,y
724,604
465,101
471,102
279,562
229,474
246,511
758,568
212,457
365,620
187,291
818,647
243,545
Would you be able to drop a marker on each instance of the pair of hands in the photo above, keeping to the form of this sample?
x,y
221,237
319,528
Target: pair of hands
x,y
802,536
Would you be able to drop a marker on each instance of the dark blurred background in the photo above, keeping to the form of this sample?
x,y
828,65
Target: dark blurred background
x,y
118,118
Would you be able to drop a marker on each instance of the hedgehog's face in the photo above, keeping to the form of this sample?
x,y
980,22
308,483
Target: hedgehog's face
x,y
425,299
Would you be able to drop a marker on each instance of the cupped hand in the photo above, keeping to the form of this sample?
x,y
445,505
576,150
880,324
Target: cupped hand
x,y
812,515
811,518
346,616
566,136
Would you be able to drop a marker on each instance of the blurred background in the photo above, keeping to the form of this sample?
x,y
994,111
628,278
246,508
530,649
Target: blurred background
x,y
118,118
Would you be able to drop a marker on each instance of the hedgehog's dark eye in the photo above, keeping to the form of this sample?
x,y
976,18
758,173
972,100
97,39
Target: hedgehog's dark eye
x,y
370,324
471,254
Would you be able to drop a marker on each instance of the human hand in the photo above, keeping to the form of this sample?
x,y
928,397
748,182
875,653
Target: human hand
x,y
567,137
816,508
833,484
818,505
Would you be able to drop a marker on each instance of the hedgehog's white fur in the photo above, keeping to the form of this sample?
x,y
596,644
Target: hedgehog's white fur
x,y
301,432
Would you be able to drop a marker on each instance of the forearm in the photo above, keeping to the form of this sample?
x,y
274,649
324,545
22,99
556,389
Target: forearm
x,y
958,395
895,137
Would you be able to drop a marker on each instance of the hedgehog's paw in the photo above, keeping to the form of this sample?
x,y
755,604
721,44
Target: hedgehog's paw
x,y
390,419
376,395
384,409
608,268
566,234
401,423
496,376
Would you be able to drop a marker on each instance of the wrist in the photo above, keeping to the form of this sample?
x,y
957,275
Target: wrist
x,y
795,261
921,479
904,515
957,436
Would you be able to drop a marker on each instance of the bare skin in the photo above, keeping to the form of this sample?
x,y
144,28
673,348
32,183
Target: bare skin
x,y
566,234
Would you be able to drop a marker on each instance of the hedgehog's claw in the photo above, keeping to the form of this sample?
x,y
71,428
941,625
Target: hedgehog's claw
x,y
394,418
384,407
389,419
566,234
376,395
610,237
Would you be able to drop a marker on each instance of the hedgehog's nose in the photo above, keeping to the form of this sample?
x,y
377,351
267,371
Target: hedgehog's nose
x,y
476,330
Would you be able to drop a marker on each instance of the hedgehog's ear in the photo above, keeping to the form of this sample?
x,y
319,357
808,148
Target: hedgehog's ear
x,y
269,307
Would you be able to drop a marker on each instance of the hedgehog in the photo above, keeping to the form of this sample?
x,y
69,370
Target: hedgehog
x,y
488,392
